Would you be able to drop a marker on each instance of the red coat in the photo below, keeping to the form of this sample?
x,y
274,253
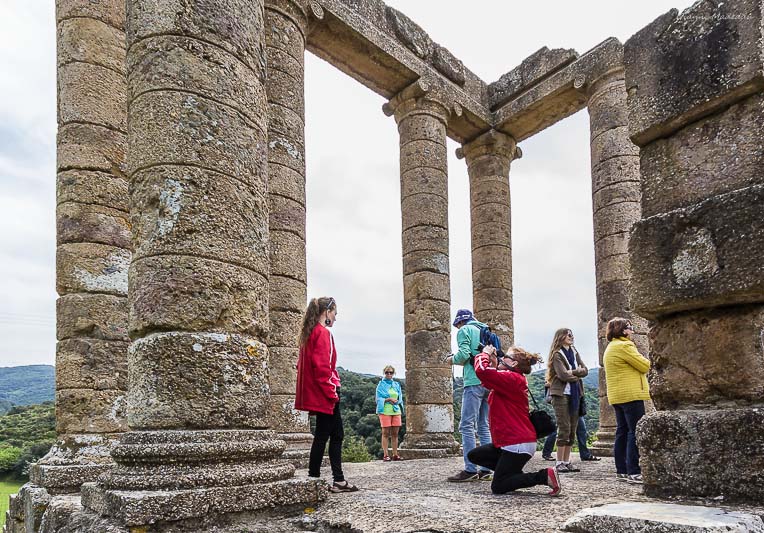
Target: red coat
x,y
508,413
317,378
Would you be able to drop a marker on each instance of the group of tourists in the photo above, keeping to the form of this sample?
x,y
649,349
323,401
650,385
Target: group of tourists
x,y
495,410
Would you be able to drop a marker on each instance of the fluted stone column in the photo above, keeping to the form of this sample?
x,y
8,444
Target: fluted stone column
x,y
488,160
93,244
199,315
421,118
286,21
616,199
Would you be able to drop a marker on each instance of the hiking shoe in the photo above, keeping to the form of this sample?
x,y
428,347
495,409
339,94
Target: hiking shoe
x,y
572,468
547,458
591,458
621,477
485,475
634,479
553,480
463,476
564,468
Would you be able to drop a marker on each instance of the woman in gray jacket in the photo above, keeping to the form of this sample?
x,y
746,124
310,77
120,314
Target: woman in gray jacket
x,y
564,372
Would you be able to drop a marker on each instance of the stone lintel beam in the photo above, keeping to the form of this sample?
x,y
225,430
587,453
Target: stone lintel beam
x,y
685,66
557,94
383,50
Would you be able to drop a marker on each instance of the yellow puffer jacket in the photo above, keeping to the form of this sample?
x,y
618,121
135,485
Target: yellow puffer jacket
x,y
625,370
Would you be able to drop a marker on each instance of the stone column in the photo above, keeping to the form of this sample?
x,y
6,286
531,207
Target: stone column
x,y
286,21
198,288
488,160
616,194
421,117
696,110
93,244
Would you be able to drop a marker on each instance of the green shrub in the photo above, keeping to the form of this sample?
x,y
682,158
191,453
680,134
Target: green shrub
x,y
354,450
9,455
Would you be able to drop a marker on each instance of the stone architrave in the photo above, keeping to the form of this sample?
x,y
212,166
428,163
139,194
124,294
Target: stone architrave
x,y
93,244
287,21
615,197
422,117
488,161
695,86
198,391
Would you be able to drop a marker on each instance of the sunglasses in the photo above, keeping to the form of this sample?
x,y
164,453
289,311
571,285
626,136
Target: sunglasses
x,y
388,372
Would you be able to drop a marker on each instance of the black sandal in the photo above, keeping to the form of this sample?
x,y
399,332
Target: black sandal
x,y
342,486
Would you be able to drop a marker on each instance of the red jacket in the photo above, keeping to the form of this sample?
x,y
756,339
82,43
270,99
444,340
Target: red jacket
x,y
508,415
317,378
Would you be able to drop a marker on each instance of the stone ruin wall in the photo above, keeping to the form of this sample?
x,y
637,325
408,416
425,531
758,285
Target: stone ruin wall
x,y
187,74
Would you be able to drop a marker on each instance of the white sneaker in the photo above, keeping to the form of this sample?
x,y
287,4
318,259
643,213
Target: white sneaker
x,y
634,479
621,477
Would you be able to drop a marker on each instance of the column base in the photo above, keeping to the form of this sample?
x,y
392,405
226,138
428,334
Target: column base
x,y
710,453
74,460
603,446
428,446
297,448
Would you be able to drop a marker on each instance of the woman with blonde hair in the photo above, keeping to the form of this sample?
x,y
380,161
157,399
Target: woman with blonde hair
x,y
318,388
389,408
627,390
564,372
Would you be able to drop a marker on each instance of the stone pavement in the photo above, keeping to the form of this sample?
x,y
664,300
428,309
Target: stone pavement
x,y
413,496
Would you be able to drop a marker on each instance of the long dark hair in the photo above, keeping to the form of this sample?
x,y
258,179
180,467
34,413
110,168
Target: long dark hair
x,y
315,307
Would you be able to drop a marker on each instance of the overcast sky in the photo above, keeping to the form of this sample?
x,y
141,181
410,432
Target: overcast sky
x,y
354,221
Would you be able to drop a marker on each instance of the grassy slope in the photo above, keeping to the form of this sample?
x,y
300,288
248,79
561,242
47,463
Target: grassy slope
x,y
6,489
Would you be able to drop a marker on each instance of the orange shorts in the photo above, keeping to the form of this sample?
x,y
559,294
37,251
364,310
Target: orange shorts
x,y
390,420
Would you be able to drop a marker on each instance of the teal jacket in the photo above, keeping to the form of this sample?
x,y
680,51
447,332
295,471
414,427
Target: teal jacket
x,y
468,339
382,394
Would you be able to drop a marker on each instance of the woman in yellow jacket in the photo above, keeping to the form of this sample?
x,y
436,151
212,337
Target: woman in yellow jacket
x,y
627,390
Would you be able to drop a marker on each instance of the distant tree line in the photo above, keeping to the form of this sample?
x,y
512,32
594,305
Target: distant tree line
x,y
26,434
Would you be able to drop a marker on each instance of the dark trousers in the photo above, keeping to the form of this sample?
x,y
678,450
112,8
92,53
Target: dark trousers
x,y
625,447
328,428
507,468
581,437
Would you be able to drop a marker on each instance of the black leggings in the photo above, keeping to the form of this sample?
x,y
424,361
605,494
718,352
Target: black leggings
x,y
328,428
507,468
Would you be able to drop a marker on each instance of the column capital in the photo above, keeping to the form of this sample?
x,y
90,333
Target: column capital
x,y
490,142
422,97
299,11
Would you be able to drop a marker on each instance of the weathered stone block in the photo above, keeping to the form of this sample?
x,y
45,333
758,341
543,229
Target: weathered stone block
x,y
491,256
282,32
90,411
430,418
607,110
92,187
91,364
409,33
421,128
193,130
235,26
429,385
98,316
703,453
612,299
616,218
490,233
80,222
91,93
624,191
282,368
169,62
35,501
284,417
192,293
424,210
111,12
426,180
415,154
682,67
700,256
285,123
285,327
286,150
91,41
287,252
208,381
614,171
426,286
489,167
427,348
500,296
287,182
686,168
493,278
287,293
613,268
285,90
611,143
286,215
448,64
611,245
708,357
489,190
88,267
191,211
425,261
92,147
425,238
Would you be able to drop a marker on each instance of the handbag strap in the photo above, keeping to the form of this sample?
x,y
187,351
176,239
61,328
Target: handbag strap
x,y
532,398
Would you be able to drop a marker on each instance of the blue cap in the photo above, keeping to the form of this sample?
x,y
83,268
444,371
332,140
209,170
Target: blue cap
x,y
463,315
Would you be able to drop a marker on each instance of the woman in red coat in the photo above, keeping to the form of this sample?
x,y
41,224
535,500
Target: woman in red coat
x,y
513,435
318,388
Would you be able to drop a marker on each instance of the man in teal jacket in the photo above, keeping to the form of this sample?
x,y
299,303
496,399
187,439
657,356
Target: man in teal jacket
x,y
474,395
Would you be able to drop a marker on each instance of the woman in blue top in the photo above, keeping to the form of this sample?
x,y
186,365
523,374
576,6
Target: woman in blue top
x,y
389,409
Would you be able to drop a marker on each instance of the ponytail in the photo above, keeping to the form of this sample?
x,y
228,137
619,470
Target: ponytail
x,y
316,306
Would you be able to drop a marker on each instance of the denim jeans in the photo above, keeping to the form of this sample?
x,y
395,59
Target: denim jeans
x,y
474,419
581,437
625,447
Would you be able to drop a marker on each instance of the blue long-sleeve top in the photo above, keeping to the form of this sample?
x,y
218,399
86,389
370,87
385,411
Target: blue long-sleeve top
x,y
383,393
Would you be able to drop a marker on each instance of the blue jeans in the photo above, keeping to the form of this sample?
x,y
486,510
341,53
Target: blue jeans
x,y
625,447
581,437
474,419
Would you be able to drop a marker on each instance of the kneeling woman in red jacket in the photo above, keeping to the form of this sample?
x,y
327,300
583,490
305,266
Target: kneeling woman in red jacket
x,y
318,389
514,439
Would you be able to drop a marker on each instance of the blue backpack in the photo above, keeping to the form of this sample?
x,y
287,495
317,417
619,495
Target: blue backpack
x,y
488,337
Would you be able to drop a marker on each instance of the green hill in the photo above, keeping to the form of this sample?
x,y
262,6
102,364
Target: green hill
x,y
26,433
26,385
